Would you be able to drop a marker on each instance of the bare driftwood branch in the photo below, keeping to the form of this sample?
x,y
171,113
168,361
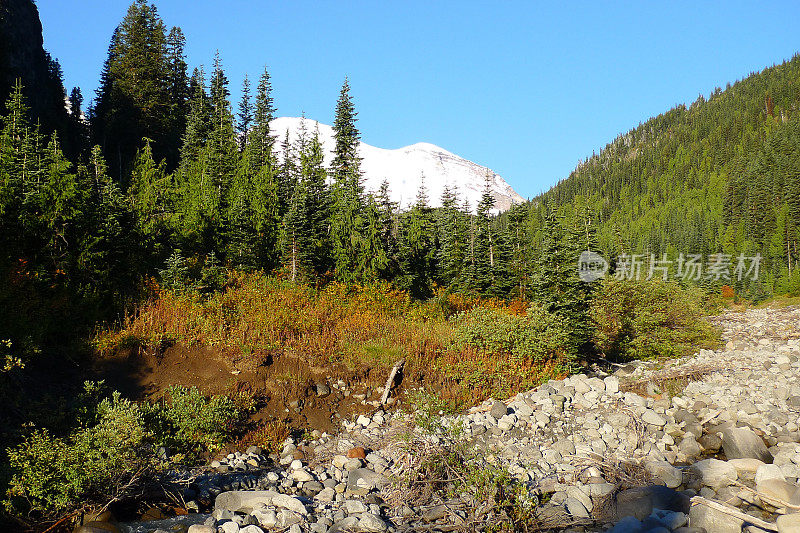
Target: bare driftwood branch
x,y
775,502
390,382
732,511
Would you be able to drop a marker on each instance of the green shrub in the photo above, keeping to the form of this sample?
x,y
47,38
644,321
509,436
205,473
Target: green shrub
x,y
191,422
52,475
535,336
650,319
113,443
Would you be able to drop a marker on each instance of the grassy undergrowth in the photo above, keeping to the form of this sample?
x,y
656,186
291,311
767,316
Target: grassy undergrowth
x,y
469,348
450,340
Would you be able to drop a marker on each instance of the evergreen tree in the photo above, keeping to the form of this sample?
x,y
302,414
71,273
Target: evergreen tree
x,y
263,143
136,97
316,205
418,247
557,286
179,93
199,120
245,114
346,162
453,225
149,194
347,216
482,269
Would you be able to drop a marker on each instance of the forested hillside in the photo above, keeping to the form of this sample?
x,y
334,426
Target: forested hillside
x,y
719,176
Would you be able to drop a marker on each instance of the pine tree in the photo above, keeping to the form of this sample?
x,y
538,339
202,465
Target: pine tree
x,y
149,194
387,221
245,114
556,284
347,215
19,175
520,247
316,205
346,162
453,225
483,259
221,154
418,247
135,99
293,236
179,93
112,255
199,120
264,112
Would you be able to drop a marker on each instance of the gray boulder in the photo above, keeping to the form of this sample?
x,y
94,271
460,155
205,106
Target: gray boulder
x,y
714,473
742,443
713,520
361,480
499,410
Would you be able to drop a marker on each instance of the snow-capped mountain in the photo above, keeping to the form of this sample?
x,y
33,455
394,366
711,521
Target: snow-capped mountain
x,y
405,167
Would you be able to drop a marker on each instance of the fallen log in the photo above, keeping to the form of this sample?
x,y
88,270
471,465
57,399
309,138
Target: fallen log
x,y
390,382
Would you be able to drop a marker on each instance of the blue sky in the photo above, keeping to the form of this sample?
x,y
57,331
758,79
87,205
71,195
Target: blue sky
x,y
528,89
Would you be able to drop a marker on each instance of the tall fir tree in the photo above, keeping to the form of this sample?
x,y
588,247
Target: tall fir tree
x,y
418,247
137,93
453,226
244,116
347,217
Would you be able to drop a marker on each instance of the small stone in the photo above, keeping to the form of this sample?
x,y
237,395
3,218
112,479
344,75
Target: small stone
x,y
229,527
288,502
195,528
766,472
302,475
437,512
356,453
345,524
710,443
576,508
715,473
498,410
564,447
352,464
328,494
746,467
629,524
789,523
354,507
371,524
671,476
690,447
778,491
653,418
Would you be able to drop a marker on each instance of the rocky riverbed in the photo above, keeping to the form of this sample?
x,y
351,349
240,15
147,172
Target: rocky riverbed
x,y
708,443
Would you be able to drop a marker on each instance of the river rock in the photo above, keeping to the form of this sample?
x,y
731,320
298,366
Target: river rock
x,y
671,476
714,521
714,473
498,410
371,524
200,528
739,443
361,480
789,523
